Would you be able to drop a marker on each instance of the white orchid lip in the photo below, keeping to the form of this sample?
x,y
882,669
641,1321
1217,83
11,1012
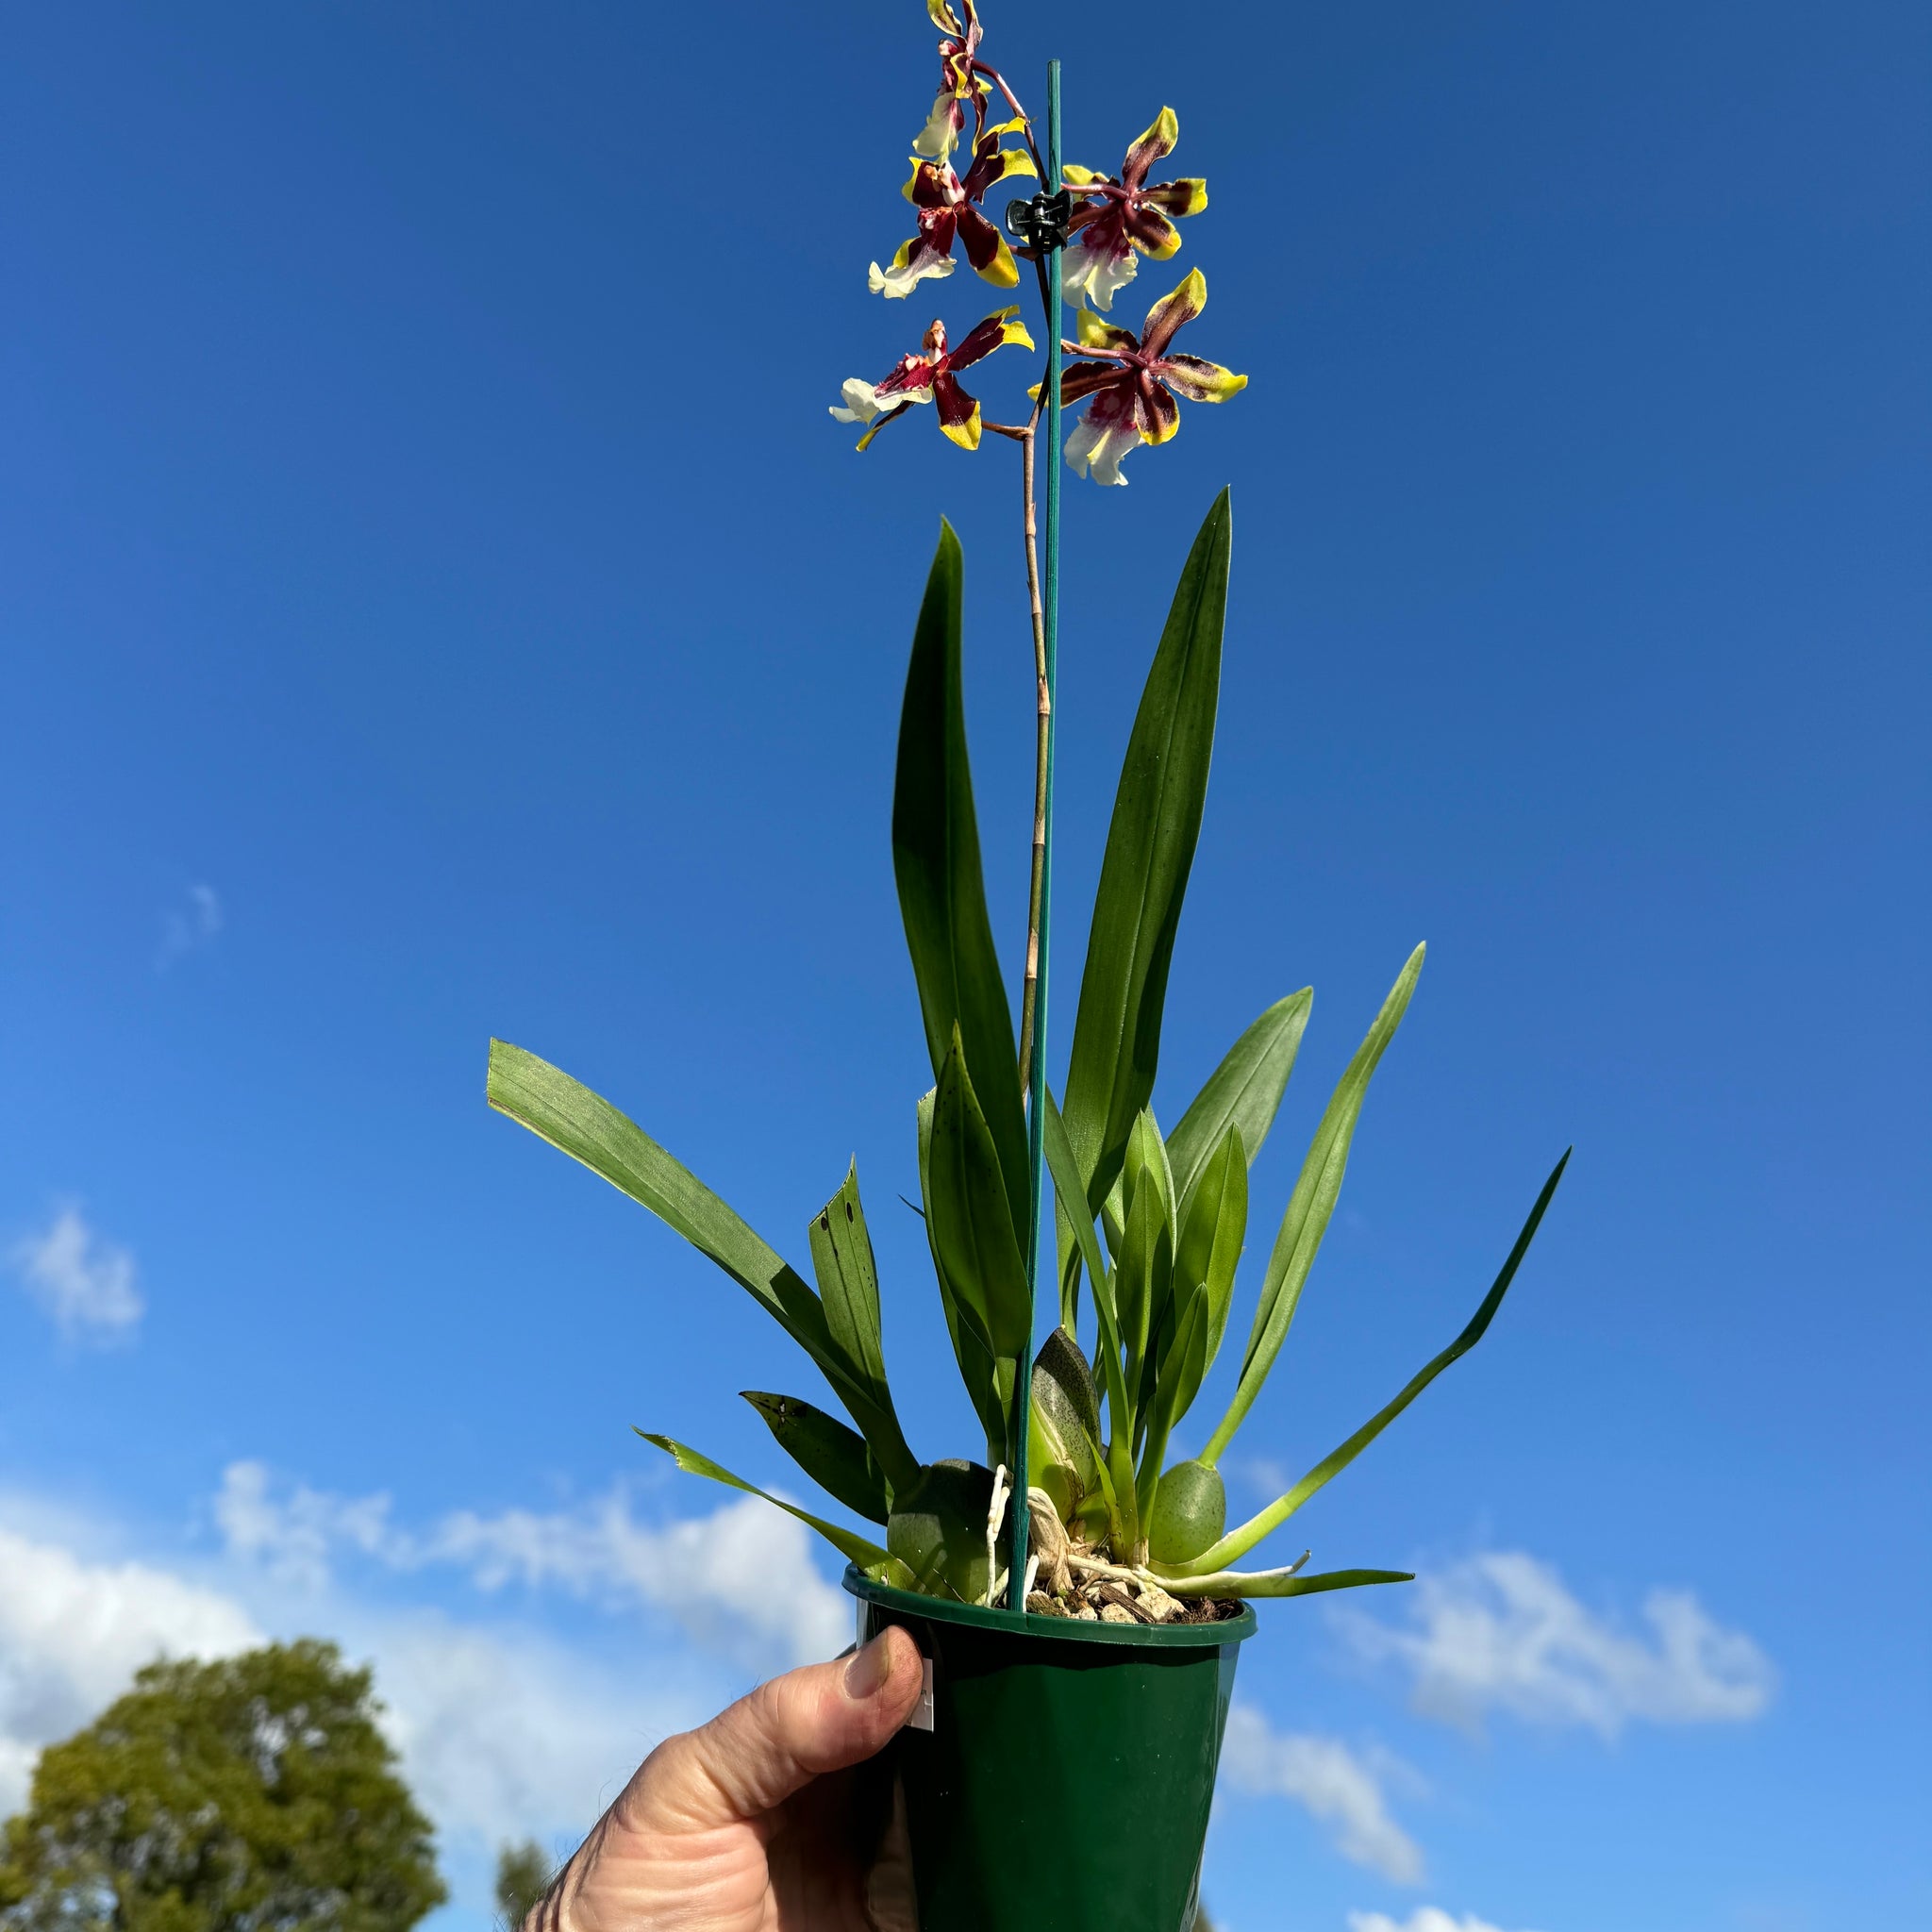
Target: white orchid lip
x,y
861,402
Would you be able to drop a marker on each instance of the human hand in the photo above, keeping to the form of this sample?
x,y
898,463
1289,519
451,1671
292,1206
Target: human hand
x,y
768,1819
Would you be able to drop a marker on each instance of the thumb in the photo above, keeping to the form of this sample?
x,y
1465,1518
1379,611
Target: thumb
x,y
788,1731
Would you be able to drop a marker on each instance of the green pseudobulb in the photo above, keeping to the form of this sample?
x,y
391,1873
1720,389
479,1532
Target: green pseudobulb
x,y
1062,1438
1190,1514
938,1529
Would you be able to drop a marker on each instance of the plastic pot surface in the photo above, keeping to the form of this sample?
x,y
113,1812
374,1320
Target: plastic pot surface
x,y
1065,1782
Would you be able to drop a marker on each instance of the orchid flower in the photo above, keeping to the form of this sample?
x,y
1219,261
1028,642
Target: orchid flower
x,y
947,209
1118,215
959,84
1129,386
931,376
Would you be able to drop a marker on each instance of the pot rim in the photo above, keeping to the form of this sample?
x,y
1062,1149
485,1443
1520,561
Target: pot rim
x,y
1049,1629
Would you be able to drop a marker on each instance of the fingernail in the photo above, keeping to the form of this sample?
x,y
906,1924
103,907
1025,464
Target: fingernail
x,y
866,1674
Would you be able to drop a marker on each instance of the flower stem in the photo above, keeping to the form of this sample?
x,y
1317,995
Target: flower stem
x,y
1030,985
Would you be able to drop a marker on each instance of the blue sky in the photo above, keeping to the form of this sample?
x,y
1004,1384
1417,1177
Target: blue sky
x,y
436,604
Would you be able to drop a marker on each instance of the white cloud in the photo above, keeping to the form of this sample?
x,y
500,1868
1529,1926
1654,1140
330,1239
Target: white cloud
x,y
74,1633
187,928
502,1733
1424,1918
1334,1783
1501,1631
86,1283
745,1575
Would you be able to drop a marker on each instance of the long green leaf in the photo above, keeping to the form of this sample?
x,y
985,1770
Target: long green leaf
x,y
1186,1362
1310,1208
942,891
1277,1582
1244,1092
970,1349
827,1451
567,1114
1144,872
1213,1229
1238,1541
968,1217
842,1258
854,1548
1063,1165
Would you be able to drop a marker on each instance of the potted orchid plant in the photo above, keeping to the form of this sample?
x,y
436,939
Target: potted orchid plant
x,y
1074,1585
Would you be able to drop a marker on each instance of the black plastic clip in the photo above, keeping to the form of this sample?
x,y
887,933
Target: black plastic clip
x,y
1041,223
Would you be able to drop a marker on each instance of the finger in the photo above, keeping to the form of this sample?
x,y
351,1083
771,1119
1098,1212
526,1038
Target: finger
x,y
788,1732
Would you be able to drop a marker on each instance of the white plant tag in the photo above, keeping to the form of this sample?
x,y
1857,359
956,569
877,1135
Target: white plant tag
x,y
921,1719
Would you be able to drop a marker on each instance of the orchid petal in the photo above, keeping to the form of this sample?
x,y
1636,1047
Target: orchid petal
x,y
1174,310
861,402
1155,144
1157,415
987,250
1079,379
1095,449
916,262
940,135
1152,233
1199,380
1095,272
958,412
1091,333
1176,198
995,332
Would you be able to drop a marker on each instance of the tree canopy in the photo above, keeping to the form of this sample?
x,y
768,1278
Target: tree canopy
x,y
255,1794
523,1876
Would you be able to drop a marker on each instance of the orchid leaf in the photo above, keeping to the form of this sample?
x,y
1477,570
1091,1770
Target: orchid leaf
x,y
1063,1165
1244,1092
1144,872
1238,1541
1310,1208
854,1548
1185,1363
842,1258
970,1349
567,1114
1277,1582
942,889
1213,1228
833,1456
969,1221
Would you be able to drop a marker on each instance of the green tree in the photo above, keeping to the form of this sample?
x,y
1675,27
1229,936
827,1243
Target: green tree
x,y
523,1876
251,1795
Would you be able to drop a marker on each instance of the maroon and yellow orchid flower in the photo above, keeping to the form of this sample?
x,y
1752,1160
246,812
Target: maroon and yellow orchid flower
x,y
948,209
1131,385
1116,217
959,83
932,376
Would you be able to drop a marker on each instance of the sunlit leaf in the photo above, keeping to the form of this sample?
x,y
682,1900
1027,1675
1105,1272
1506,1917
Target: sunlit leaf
x,y
942,891
1310,1208
833,1456
1244,1092
854,1548
567,1114
1238,1541
1144,872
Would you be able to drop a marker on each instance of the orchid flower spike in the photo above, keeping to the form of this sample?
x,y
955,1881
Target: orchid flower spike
x,y
1132,386
949,208
1117,216
931,376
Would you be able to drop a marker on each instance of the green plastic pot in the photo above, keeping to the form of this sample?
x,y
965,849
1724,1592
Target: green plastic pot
x,y
1066,1780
